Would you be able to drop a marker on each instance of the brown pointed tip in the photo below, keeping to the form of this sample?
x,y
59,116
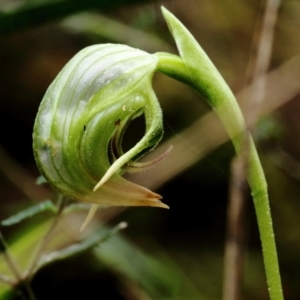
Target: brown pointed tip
x,y
153,199
162,205
155,202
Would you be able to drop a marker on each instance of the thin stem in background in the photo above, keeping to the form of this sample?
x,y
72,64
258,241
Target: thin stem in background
x,y
9,259
260,60
236,233
22,284
258,67
46,239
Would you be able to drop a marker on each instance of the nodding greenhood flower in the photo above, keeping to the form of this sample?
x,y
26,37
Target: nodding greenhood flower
x,y
85,112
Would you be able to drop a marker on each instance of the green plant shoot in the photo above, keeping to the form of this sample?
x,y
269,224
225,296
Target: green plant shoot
x,y
78,131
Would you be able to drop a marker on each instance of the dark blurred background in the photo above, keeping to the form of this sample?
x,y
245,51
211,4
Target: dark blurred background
x,y
37,38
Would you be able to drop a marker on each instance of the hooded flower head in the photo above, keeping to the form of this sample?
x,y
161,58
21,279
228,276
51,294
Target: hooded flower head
x,y
78,131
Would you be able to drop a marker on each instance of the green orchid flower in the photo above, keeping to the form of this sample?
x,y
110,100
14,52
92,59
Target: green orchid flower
x,y
85,112
78,131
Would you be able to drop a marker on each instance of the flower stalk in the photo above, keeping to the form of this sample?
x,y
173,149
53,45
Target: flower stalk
x,y
201,74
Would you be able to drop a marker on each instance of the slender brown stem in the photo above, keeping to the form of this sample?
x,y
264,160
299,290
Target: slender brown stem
x,y
9,259
260,60
46,239
235,239
22,284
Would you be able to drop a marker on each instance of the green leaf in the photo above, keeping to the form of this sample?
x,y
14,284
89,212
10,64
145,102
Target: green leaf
x,y
94,240
46,206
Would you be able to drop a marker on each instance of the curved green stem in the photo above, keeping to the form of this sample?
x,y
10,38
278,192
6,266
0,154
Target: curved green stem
x,y
226,107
